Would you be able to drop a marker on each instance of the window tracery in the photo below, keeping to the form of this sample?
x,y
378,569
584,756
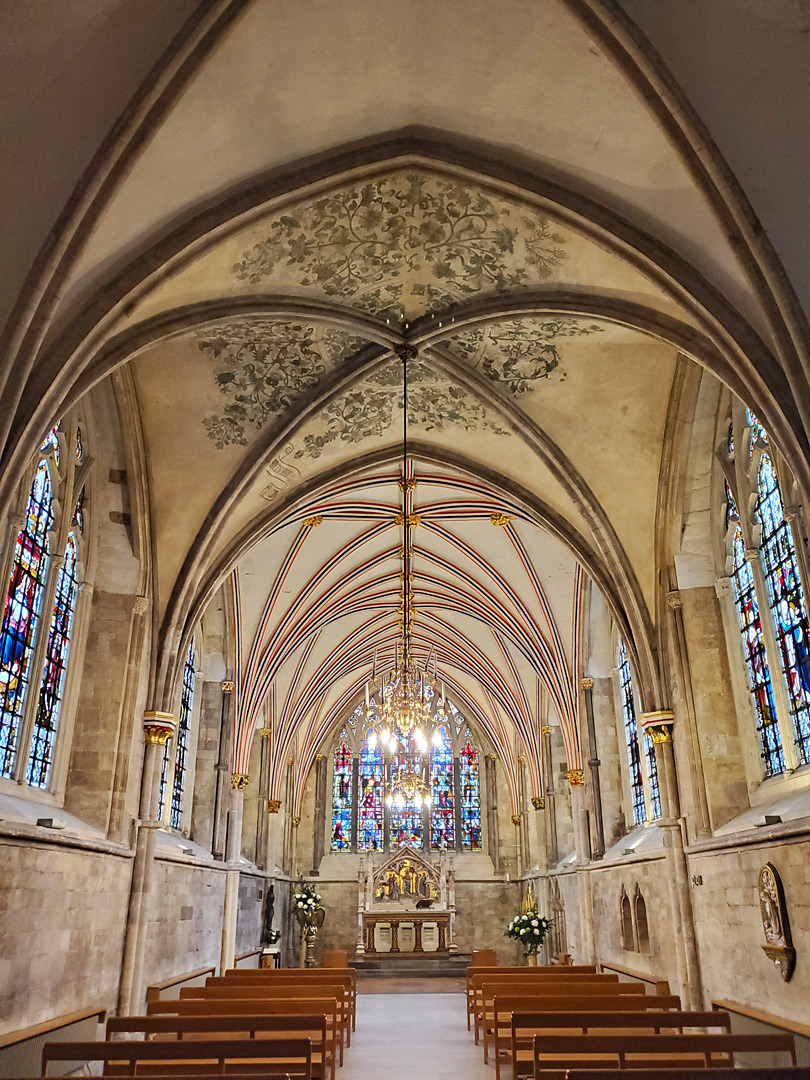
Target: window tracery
x,y
765,575
631,737
174,768
451,770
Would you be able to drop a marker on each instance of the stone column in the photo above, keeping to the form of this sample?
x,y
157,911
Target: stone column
x,y
579,812
117,826
524,804
551,803
239,781
260,857
598,847
158,728
221,794
490,772
658,726
320,814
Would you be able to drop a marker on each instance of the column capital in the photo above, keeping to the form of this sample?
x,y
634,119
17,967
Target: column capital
x,y
586,683
227,686
751,554
538,802
140,605
575,777
516,820
265,732
674,599
658,725
273,806
545,729
158,727
722,586
239,781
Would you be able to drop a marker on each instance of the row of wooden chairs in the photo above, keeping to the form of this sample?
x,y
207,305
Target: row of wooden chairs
x,y
552,1021
274,1023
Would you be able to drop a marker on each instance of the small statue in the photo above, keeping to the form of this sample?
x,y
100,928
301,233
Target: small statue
x,y
269,935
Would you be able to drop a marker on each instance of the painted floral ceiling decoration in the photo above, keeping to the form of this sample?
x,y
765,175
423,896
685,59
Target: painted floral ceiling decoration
x,y
520,353
261,366
404,244
368,410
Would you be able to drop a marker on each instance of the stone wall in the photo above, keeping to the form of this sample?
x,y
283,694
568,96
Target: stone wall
x,y
729,926
62,917
252,892
483,911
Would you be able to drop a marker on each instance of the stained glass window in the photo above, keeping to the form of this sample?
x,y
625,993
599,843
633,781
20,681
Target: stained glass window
x,y
21,614
758,432
342,796
183,729
442,813
78,513
470,789
370,799
406,821
756,661
631,737
786,601
40,759
51,442
79,447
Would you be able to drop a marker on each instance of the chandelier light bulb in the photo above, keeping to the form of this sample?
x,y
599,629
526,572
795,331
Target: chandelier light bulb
x,y
437,738
372,739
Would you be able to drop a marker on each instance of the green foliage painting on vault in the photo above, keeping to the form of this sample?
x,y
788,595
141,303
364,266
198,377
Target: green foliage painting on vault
x,y
405,243
520,352
369,409
261,366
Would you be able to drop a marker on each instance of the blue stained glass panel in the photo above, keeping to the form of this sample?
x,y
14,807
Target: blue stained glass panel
x,y
40,759
758,432
183,732
442,812
786,602
631,737
342,797
370,799
21,614
406,821
756,661
470,789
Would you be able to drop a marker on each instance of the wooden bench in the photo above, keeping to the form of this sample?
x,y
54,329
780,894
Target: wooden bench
x,y
295,1026
624,1051
786,1073
337,985
329,1008
472,970
516,1029
269,1057
295,974
486,987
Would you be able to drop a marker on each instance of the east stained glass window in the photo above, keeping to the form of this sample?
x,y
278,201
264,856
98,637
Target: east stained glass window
x,y
631,737
370,799
786,601
470,789
443,801
40,759
183,733
406,821
342,795
22,613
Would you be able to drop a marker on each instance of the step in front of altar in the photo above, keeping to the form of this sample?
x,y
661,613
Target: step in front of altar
x,y
427,965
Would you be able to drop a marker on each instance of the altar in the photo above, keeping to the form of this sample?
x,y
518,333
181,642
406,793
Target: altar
x,y
406,904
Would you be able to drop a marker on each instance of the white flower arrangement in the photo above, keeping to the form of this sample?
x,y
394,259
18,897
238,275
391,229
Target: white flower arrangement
x,y
530,929
306,903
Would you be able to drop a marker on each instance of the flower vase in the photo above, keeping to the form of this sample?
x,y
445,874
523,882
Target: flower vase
x,y
310,933
532,958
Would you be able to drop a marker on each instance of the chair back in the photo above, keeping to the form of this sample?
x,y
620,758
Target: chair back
x,y
335,958
484,958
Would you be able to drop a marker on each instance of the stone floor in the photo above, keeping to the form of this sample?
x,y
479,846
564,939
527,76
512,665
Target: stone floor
x,y
405,1035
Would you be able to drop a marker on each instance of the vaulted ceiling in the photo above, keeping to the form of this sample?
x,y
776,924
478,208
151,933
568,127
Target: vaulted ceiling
x,y
301,189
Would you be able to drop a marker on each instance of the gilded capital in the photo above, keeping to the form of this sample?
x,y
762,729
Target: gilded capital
x,y
516,820
158,727
545,729
575,777
265,732
227,687
587,683
273,806
296,821
538,802
239,781
658,725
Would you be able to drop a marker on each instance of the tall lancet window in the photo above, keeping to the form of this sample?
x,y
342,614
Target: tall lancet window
x,y
442,813
39,607
765,573
370,799
342,795
631,738
174,770
21,616
786,601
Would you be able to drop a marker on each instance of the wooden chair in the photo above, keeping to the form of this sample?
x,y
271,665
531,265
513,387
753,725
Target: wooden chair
x,y
179,1028
518,971
329,1008
269,1057
598,1051
298,974
514,1040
